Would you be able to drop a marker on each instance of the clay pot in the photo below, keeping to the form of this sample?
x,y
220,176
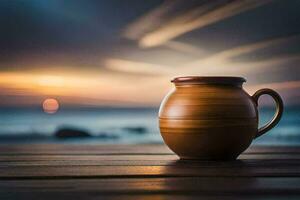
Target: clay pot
x,y
212,118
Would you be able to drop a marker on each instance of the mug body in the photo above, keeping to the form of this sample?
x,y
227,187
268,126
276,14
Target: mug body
x,y
208,118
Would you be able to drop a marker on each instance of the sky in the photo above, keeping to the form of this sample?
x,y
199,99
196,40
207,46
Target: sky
x,y
124,53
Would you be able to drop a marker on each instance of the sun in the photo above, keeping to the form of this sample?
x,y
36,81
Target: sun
x,y
50,106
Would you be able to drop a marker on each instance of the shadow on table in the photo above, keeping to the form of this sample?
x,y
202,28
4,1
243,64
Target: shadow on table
x,y
210,177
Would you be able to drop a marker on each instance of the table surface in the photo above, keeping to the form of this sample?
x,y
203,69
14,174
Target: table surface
x,y
61,171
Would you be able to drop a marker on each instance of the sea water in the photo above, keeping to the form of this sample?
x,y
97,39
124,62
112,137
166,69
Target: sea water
x,y
118,125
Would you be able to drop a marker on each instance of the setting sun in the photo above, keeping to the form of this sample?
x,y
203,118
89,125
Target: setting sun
x,y
50,106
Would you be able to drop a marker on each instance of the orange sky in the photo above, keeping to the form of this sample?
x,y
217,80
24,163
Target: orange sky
x,y
89,57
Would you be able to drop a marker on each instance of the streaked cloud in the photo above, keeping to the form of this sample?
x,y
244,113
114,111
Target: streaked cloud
x,y
149,21
222,63
136,67
196,18
185,48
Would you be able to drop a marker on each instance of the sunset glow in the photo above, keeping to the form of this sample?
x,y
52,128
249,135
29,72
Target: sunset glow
x,y
51,81
131,61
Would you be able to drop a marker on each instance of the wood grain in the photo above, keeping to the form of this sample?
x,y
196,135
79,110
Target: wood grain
x,y
119,149
55,172
39,172
137,159
170,185
137,196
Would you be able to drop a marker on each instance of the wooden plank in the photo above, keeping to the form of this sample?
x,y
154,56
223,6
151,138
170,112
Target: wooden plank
x,y
49,166
42,172
138,160
96,195
146,149
243,157
152,188
10,158
186,185
61,149
146,172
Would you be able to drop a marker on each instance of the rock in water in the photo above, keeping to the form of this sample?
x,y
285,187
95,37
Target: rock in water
x,y
71,133
136,130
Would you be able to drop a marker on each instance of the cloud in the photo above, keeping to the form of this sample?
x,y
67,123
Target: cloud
x,y
196,18
129,66
151,20
185,48
222,62
90,64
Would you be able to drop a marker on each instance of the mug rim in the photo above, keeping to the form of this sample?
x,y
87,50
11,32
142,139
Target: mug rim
x,y
208,80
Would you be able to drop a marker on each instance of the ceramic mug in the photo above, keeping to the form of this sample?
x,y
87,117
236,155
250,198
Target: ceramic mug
x,y
212,118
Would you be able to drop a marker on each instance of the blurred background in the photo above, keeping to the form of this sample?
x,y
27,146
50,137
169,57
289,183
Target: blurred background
x,y
95,71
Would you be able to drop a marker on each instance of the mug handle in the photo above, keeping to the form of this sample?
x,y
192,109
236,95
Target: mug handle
x,y
279,109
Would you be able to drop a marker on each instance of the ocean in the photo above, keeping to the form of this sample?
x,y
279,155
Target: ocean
x,y
117,126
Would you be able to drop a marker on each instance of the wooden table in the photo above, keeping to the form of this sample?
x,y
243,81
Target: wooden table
x,y
53,171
